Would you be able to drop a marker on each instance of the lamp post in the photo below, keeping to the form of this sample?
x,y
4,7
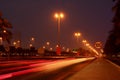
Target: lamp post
x,y
77,35
59,16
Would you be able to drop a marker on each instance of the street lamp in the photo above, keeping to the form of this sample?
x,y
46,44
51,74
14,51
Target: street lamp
x,y
14,43
87,44
4,31
77,35
32,38
51,49
43,47
31,45
48,43
84,41
58,16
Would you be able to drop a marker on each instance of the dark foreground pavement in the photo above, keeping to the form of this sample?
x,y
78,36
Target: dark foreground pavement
x,y
100,69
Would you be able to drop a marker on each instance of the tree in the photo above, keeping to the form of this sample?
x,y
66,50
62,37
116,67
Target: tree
x,y
113,42
5,32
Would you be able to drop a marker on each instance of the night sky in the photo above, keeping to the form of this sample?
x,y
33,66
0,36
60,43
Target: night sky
x,y
35,18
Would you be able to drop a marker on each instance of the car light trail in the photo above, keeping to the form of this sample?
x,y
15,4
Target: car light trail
x,y
62,64
23,62
50,66
35,64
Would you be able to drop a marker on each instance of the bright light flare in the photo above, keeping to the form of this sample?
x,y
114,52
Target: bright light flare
x,y
87,44
43,47
57,15
61,15
65,63
48,43
14,43
51,49
30,45
0,38
32,38
77,34
84,41
4,31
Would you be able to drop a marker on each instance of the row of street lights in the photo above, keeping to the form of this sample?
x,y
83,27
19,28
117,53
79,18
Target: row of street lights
x,y
85,42
77,35
47,46
58,16
17,43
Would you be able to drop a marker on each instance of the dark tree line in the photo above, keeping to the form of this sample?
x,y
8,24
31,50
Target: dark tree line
x,y
112,45
5,27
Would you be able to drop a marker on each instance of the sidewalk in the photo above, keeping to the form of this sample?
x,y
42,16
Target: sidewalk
x,y
100,69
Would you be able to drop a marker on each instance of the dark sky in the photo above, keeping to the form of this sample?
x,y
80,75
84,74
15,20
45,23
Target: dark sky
x,y
36,18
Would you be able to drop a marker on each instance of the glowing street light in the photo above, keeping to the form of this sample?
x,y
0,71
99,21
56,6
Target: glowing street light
x,y
57,15
48,43
30,45
57,46
14,43
43,47
84,41
87,44
51,49
77,35
4,31
32,38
